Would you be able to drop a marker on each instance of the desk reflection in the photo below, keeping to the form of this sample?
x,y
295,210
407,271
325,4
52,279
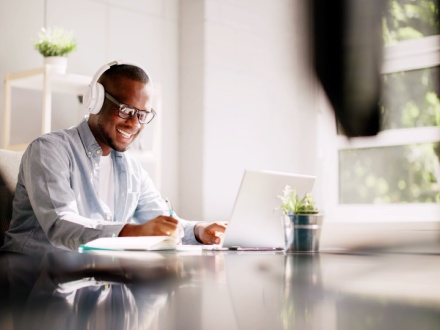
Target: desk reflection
x,y
220,290
77,291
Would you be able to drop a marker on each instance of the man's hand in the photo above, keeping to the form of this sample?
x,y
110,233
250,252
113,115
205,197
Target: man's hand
x,y
160,226
210,233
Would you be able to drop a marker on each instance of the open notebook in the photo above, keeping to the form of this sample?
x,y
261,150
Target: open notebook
x,y
141,243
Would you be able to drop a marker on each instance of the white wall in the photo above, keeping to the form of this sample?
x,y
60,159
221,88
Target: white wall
x,y
245,98
236,91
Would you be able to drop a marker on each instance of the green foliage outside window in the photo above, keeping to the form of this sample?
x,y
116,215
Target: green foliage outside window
x,y
401,174
411,99
407,173
410,19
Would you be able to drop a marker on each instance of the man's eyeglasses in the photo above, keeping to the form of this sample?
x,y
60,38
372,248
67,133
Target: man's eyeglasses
x,y
128,112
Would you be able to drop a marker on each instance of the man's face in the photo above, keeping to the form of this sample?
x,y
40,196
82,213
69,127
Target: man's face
x,y
113,132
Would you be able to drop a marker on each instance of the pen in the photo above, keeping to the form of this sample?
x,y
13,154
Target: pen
x,y
180,229
169,207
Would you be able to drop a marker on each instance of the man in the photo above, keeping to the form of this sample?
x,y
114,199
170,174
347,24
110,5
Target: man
x,y
78,184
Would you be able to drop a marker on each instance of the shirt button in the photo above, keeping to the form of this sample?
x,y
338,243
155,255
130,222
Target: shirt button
x,y
96,164
98,151
89,153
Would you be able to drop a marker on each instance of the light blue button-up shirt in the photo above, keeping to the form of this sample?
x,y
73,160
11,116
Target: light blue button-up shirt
x,y
57,202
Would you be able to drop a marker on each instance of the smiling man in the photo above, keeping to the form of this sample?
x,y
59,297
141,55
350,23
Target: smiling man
x,y
78,184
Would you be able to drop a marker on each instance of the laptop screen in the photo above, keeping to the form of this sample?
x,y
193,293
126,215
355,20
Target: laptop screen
x,y
257,220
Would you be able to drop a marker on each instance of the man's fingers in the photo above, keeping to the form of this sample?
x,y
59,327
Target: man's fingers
x,y
217,227
169,228
167,219
213,236
165,225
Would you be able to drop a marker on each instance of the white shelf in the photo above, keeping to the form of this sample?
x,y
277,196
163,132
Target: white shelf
x,y
34,80
42,79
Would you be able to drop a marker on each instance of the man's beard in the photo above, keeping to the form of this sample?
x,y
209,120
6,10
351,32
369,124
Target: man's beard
x,y
108,140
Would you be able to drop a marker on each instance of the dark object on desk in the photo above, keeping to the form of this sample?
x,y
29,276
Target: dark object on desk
x,y
239,248
347,47
9,165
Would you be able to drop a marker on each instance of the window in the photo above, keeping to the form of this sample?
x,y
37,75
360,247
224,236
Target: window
x,y
396,175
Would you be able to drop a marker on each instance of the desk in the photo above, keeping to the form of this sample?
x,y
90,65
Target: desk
x,y
221,290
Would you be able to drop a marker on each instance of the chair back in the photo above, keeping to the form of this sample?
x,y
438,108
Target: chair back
x,y
9,166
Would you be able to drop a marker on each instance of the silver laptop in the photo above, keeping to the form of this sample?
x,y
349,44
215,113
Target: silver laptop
x,y
256,221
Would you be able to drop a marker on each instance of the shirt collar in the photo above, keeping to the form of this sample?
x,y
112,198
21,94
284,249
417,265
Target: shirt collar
x,y
91,146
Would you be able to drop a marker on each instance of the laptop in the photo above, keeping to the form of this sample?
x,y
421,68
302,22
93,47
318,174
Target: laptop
x,y
256,222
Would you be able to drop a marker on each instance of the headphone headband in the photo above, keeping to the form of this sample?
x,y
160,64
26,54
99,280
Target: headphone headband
x,y
93,97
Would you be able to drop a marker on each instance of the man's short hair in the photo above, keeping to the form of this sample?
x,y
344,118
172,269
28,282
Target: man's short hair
x,y
128,71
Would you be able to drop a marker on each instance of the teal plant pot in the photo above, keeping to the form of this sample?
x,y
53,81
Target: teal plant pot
x,y
303,232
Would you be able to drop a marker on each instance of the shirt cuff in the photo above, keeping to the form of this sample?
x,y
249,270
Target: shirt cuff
x,y
190,237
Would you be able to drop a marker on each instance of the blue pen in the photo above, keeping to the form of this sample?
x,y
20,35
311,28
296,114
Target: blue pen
x,y
169,207
180,230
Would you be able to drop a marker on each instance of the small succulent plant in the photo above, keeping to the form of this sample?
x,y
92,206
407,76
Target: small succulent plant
x,y
293,204
55,41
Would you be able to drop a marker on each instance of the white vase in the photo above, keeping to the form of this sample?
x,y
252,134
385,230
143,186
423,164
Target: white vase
x,y
58,64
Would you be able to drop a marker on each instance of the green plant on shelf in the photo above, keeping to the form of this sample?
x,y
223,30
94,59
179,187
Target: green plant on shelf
x,y
293,204
55,41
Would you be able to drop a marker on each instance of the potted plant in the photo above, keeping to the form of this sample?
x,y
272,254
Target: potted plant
x,y
302,221
55,43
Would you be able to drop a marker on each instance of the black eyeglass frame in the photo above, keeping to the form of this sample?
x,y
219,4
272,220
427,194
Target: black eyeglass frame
x,y
136,111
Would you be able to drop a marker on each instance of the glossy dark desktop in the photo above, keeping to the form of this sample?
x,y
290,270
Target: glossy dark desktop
x,y
220,290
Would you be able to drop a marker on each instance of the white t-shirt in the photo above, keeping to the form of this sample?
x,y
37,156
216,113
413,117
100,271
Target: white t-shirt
x,y
106,182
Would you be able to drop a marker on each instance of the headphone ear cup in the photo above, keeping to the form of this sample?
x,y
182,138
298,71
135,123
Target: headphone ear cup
x,y
99,99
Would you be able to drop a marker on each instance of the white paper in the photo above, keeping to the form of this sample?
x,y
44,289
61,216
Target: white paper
x,y
138,243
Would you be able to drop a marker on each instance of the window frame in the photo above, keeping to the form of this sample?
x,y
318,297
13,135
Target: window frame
x,y
403,56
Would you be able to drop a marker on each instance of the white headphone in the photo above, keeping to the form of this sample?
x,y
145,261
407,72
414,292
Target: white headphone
x,y
93,97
